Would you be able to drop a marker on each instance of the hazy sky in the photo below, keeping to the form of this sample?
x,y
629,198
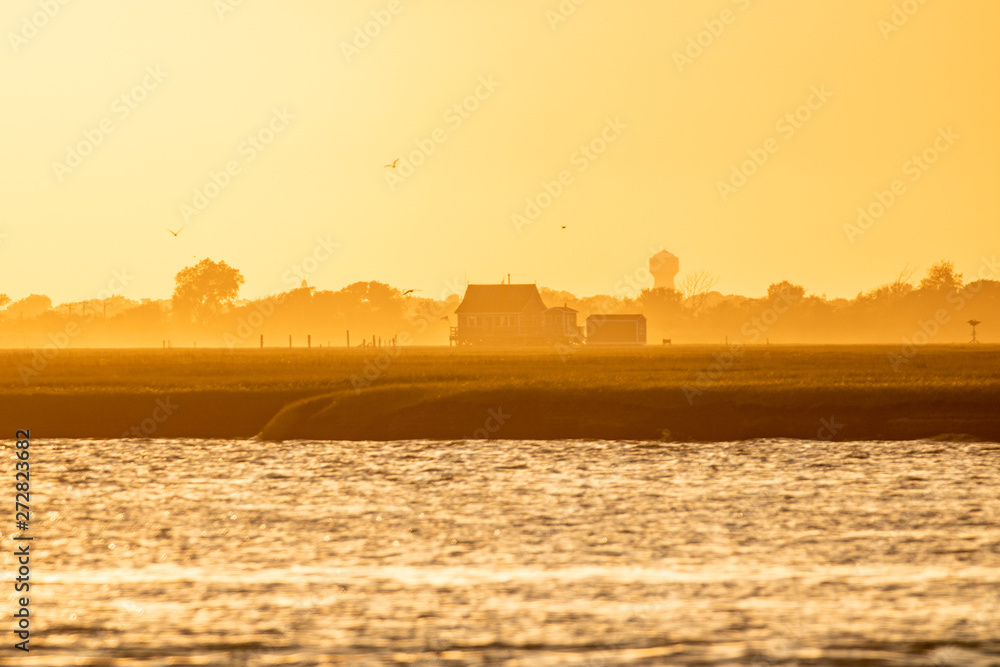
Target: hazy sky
x,y
307,113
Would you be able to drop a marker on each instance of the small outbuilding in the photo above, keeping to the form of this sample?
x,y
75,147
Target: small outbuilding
x,y
560,324
616,330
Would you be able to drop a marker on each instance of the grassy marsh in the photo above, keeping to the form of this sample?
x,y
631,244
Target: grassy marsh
x,y
694,392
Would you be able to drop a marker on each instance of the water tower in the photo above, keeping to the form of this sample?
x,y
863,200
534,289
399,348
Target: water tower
x,y
664,266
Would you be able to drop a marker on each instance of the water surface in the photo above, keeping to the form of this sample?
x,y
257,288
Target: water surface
x,y
768,552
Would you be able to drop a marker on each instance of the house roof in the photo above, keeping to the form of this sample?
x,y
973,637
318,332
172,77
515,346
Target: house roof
x,y
617,318
500,299
563,309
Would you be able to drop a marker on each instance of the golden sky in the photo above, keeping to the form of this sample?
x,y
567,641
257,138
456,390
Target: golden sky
x,y
122,119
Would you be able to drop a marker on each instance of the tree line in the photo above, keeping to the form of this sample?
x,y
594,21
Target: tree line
x,y
205,309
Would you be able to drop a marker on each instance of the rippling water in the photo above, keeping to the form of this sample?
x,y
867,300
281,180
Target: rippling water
x,y
768,552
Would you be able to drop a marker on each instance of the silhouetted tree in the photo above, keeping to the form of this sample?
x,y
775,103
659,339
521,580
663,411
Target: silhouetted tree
x,y
696,287
4,300
941,277
660,302
787,290
30,306
149,316
893,291
984,286
553,297
202,290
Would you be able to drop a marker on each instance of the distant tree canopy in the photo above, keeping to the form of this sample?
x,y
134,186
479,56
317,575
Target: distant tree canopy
x,y
941,277
205,309
893,291
30,306
696,287
786,290
201,291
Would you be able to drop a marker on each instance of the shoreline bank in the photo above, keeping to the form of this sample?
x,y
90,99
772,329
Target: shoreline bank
x,y
406,413
398,413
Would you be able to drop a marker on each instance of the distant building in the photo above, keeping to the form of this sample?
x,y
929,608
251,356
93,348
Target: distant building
x,y
616,330
499,314
560,324
508,314
664,266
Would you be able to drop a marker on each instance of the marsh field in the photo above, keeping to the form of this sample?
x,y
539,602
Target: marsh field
x,y
703,393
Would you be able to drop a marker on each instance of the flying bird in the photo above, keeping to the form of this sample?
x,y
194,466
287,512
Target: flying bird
x,y
564,226
410,291
177,232
393,165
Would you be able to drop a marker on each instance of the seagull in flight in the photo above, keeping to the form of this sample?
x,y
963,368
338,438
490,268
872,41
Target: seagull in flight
x,y
564,226
393,165
177,232
410,291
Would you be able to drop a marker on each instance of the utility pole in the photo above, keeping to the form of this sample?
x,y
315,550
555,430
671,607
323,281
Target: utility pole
x,y
974,324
